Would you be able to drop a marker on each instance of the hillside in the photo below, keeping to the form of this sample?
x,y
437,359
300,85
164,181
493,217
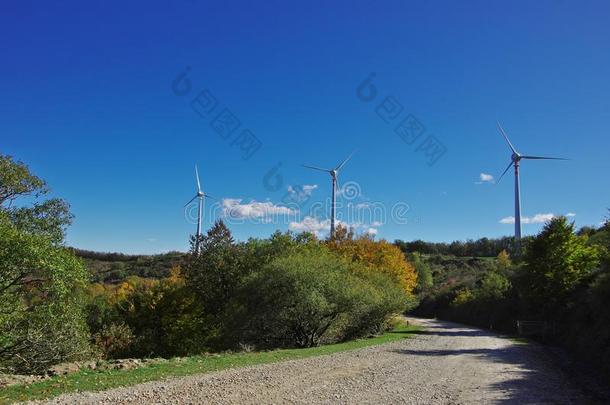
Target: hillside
x,y
114,267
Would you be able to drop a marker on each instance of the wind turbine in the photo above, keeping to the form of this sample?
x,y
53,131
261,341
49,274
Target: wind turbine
x,y
200,195
333,174
515,159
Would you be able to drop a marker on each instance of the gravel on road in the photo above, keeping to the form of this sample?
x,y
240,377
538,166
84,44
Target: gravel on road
x,y
446,363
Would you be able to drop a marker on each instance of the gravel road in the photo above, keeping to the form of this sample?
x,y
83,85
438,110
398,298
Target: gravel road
x,y
445,364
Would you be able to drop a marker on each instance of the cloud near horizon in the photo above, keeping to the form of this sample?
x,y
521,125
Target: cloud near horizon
x,y
317,226
536,219
234,208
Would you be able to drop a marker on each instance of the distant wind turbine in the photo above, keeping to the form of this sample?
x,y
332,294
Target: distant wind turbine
x,y
200,195
515,159
333,174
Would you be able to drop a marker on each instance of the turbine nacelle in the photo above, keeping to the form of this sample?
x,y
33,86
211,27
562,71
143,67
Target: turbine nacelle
x,y
516,157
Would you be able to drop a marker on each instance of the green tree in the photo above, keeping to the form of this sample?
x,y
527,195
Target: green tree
x,y
503,260
425,280
555,262
16,181
213,275
494,286
49,217
215,271
41,283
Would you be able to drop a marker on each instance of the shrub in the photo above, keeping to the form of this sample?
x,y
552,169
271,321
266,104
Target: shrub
x,y
378,299
114,340
306,298
164,317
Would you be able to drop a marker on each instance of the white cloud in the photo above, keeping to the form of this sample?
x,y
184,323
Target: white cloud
x,y
234,208
302,191
508,220
536,219
310,224
309,188
376,224
371,231
299,194
485,178
316,226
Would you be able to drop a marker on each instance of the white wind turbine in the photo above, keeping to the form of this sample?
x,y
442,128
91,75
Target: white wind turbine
x,y
333,174
515,159
200,195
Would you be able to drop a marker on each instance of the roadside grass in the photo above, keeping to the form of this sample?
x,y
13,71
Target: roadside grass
x,y
519,340
91,380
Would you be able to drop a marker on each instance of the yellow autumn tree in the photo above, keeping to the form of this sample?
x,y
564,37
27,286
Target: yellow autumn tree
x,y
503,260
376,256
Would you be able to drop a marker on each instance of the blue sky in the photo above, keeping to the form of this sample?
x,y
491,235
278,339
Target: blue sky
x,y
89,102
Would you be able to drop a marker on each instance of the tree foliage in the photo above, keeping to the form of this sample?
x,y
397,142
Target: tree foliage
x,y
556,261
41,314
143,317
308,297
425,280
484,247
376,256
41,282
16,180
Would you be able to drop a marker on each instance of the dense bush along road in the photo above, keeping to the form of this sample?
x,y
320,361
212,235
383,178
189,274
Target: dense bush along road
x,y
445,363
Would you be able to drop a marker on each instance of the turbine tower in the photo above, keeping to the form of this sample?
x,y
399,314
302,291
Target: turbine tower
x,y
515,159
200,195
333,174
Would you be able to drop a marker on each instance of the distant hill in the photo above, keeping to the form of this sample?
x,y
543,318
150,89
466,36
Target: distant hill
x,y
449,271
107,267
114,267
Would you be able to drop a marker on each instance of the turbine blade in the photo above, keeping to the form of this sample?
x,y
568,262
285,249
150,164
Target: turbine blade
x,y
345,161
543,157
504,172
192,199
197,176
506,137
206,195
317,168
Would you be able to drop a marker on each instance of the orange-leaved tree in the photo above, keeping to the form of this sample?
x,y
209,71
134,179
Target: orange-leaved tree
x,y
379,256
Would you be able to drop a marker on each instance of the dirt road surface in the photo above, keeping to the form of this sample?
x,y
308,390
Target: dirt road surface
x,y
444,364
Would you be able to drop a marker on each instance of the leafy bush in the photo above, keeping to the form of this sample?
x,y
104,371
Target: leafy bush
x,y
163,316
378,300
114,340
307,298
